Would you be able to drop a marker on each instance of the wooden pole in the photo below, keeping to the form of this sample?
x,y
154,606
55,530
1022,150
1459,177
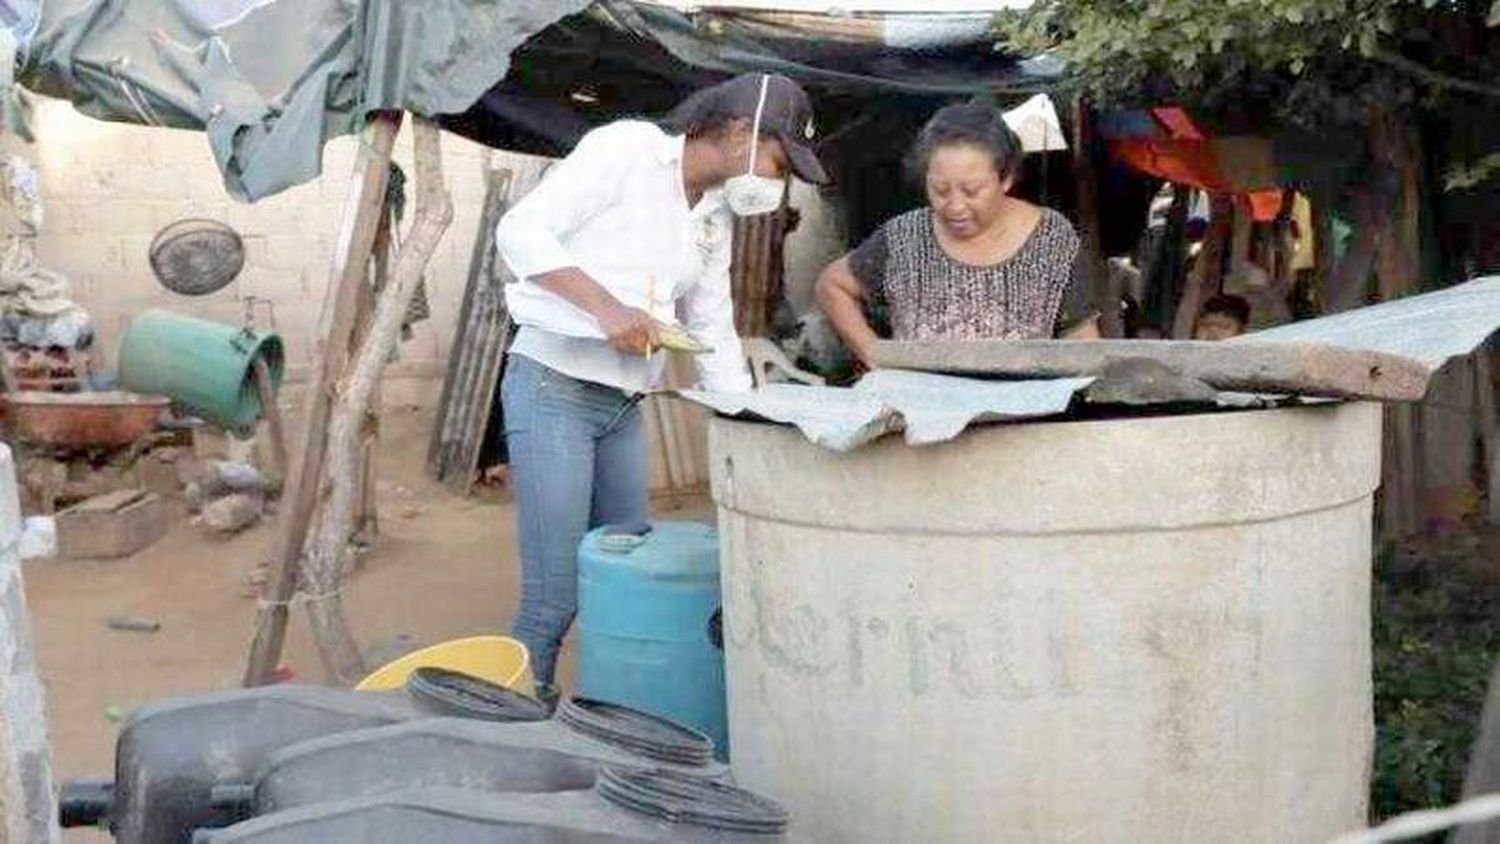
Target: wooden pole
x,y
1488,419
1166,280
1090,221
1483,775
361,220
1401,484
265,388
367,524
327,553
1322,233
1207,270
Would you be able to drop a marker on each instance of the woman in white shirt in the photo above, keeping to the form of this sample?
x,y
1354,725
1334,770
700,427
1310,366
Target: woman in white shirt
x,y
631,229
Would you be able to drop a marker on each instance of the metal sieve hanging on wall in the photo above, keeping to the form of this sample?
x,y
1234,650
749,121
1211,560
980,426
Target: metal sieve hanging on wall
x,y
196,257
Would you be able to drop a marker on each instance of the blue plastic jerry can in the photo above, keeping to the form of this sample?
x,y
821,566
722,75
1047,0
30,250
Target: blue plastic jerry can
x,y
649,623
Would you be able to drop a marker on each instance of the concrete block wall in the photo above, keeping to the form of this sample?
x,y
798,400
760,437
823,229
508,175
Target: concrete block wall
x,y
109,188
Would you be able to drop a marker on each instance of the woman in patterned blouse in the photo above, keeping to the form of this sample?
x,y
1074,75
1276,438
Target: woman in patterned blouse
x,y
977,264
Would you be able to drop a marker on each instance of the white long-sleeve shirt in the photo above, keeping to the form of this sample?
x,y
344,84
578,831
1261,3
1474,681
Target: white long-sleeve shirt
x,y
616,209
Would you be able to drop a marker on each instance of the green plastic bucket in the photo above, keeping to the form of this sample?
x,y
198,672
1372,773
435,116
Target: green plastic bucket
x,y
205,367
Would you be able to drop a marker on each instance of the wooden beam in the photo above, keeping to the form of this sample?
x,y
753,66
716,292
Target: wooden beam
x,y
1309,369
1090,220
1166,281
1208,268
265,388
1400,486
1483,775
361,220
1322,234
477,347
1487,416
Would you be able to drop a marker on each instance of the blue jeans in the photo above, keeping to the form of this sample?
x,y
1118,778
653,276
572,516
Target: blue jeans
x,y
578,458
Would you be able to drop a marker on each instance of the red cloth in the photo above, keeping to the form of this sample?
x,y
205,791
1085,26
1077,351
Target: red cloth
x,y
1195,163
1184,162
1265,205
1178,124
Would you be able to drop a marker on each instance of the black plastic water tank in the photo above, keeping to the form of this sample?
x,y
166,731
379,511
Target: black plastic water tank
x,y
172,755
450,752
625,806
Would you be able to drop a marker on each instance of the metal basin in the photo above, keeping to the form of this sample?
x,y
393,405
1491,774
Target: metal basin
x,y
83,420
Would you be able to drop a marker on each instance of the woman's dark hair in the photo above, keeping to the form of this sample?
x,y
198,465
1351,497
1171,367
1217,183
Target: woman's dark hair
x,y
974,124
1233,307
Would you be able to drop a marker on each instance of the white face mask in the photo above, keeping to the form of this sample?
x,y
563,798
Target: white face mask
x,y
747,193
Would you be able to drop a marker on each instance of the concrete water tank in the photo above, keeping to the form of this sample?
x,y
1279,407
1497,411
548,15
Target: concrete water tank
x,y
29,812
1135,630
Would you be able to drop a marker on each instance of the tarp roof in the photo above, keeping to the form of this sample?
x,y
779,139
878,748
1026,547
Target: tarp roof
x,y
270,81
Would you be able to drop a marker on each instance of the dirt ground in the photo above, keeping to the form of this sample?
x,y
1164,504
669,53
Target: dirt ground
x,y
444,567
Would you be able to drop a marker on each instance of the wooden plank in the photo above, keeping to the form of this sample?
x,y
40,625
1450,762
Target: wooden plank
x,y
1483,775
1445,452
1400,504
1308,369
1089,219
1207,275
110,502
1487,416
270,410
361,220
474,358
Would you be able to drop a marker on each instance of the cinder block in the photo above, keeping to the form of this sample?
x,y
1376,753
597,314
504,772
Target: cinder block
x,y
59,217
101,256
311,250
282,286
110,526
170,211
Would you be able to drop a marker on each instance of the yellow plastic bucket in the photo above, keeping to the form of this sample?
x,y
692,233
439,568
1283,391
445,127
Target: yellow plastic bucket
x,y
498,659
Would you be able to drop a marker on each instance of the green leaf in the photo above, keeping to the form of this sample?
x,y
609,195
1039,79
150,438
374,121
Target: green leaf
x,y
1494,13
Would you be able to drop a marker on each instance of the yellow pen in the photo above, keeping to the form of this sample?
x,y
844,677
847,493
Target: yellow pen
x,y
650,309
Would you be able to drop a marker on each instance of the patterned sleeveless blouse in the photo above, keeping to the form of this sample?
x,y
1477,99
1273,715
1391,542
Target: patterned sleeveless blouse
x,y
931,296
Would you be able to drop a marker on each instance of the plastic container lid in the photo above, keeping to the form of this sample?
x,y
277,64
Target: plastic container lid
x,y
679,798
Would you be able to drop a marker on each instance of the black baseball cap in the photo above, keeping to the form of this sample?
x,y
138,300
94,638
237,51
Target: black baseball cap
x,y
787,114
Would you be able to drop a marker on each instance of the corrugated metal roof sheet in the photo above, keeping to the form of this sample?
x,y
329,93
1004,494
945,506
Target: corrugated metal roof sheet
x,y
1429,329
915,7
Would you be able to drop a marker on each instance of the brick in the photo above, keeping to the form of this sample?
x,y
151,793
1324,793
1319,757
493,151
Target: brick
x,y
114,217
255,251
242,217
146,184
103,257
283,286
60,218
170,211
297,253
